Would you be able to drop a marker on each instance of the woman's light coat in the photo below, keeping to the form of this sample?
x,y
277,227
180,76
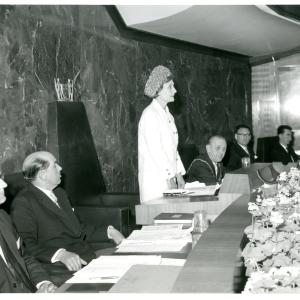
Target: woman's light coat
x,y
157,151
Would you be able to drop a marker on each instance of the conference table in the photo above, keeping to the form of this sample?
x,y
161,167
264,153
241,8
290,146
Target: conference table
x,y
163,274
214,265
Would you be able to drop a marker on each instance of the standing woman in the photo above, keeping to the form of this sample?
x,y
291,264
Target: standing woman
x,y
160,166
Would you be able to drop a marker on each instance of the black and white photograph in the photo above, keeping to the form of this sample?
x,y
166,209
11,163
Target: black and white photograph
x,y
149,149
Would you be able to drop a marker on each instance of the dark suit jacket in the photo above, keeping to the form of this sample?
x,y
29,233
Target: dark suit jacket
x,y
278,154
202,169
45,228
31,268
235,155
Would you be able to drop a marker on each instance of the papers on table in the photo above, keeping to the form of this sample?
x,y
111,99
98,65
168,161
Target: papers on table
x,y
109,269
204,191
176,192
149,241
193,189
154,236
194,184
150,247
162,227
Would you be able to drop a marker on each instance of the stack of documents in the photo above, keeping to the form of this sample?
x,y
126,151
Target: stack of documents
x,y
109,269
176,192
194,184
156,239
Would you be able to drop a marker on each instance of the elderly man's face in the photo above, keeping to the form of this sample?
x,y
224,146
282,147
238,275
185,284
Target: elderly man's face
x,y
2,186
216,149
51,175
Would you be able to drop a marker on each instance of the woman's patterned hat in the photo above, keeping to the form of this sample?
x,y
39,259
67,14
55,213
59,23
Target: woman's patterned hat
x,y
157,78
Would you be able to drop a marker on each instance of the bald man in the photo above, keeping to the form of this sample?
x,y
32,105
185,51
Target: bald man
x,y
208,167
45,220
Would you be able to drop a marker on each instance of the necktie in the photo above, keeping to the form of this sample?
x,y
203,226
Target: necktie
x,y
218,172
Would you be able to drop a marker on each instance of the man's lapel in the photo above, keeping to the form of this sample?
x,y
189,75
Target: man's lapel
x,y
8,234
67,209
211,164
62,212
285,153
242,152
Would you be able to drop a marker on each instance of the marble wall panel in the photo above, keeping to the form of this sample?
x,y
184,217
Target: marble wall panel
x,y
39,43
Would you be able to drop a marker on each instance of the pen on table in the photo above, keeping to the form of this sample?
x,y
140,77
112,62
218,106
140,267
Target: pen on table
x,y
104,277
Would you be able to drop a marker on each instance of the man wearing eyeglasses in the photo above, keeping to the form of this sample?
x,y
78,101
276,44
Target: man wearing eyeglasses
x,y
283,150
239,148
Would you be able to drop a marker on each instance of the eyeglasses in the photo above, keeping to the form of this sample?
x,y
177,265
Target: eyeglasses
x,y
244,134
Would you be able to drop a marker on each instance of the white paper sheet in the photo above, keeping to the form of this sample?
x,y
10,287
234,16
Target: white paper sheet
x,y
109,269
162,227
194,184
150,247
163,235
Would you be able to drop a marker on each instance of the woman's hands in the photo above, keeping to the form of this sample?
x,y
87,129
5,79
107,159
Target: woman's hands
x,y
176,182
180,181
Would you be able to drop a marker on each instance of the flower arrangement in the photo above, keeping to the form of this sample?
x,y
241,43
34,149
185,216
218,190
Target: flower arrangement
x,y
272,256
282,280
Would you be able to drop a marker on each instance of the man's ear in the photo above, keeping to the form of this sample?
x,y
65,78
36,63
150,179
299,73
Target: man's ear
x,y
235,136
208,148
41,174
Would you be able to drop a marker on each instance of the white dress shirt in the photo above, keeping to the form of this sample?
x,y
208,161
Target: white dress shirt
x,y
50,194
216,168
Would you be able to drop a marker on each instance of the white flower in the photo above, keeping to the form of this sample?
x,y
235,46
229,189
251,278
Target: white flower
x,y
282,176
252,206
269,202
284,199
276,218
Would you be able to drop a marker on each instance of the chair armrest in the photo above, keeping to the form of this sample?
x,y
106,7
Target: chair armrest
x,y
104,216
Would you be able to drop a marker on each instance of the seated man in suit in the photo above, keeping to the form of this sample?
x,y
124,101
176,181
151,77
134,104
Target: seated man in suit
x,y
207,167
283,150
45,220
239,148
18,274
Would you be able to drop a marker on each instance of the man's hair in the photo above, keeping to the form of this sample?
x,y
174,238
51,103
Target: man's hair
x,y
214,136
237,128
33,164
282,128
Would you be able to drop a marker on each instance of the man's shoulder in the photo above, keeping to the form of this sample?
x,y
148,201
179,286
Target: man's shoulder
x,y
277,147
26,191
26,197
235,147
201,159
